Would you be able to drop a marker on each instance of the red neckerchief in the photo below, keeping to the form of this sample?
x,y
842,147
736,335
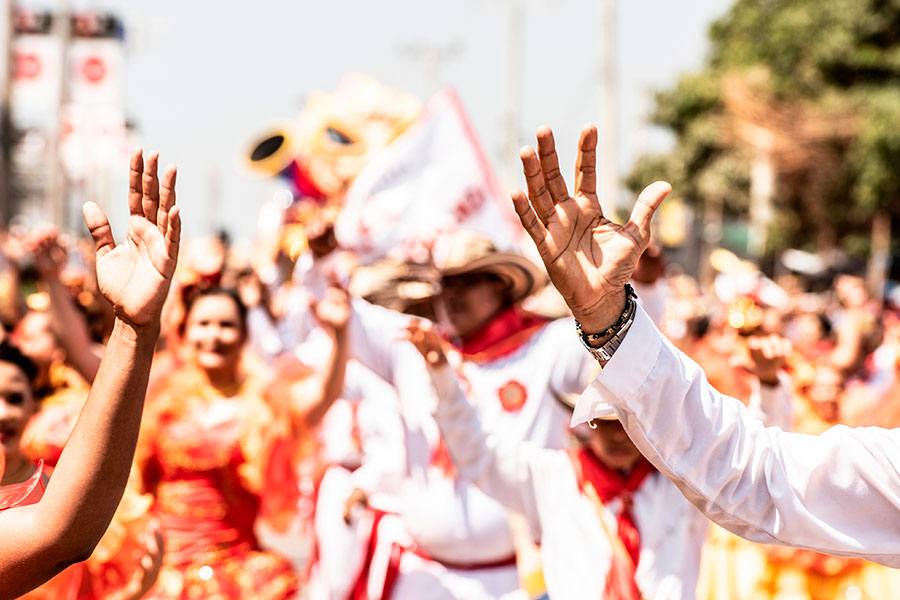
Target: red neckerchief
x,y
609,485
506,333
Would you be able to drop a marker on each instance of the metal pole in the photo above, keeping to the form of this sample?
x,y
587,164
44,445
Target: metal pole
x,y
7,204
609,104
57,195
512,111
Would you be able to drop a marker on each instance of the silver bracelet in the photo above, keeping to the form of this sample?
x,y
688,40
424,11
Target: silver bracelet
x,y
624,322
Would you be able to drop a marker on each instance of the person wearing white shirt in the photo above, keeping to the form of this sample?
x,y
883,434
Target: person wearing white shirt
x,y
362,441
610,525
838,492
454,540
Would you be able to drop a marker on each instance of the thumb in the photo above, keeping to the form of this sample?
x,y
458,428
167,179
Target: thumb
x,y
647,203
98,224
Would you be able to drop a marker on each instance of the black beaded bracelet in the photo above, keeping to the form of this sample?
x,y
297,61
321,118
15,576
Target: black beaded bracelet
x,y
630,295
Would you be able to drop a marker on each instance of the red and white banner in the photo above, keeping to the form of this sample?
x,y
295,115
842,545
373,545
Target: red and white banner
x,y
36,80
96,73
433,179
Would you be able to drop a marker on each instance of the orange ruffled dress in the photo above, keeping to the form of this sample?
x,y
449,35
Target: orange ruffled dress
x,y
213,462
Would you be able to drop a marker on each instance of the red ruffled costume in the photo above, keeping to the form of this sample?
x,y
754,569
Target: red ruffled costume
x,y
212,463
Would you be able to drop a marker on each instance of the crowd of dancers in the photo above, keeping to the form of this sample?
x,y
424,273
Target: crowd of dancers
x,y
402,430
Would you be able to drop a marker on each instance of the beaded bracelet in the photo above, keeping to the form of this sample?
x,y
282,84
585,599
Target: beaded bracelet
x,y
630,295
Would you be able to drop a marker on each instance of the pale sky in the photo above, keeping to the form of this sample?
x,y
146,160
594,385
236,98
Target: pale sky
x,y
203,78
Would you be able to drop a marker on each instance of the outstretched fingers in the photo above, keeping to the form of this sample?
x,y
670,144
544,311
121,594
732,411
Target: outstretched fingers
x,y
135,194
586,163
166,196
98,224
537,189
150,188
173,233
529,220
550,165
647,203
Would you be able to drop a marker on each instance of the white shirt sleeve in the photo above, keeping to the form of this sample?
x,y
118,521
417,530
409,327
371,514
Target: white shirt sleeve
x,y
381,433
772,405
573,366
838,492
502,471
375,334
376,337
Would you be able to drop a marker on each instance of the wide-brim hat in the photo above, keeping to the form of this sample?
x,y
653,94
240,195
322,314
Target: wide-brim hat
x,y
395,284
467,252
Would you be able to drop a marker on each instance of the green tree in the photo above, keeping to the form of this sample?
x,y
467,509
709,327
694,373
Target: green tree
x,y
813,86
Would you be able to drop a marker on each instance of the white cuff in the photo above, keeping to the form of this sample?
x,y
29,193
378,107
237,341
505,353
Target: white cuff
x,y
623,375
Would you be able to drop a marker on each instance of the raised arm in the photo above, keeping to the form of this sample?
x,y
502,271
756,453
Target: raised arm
x,y
500,471
68,324
838,492
313,396
134,276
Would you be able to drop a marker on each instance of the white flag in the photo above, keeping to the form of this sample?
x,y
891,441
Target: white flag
x,y
431,180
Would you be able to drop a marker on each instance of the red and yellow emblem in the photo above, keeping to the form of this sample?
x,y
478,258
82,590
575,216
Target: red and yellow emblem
x,y
512,396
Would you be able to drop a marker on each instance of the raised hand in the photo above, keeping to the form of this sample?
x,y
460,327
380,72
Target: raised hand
x,y
768,354
134,276
427,341
332,312
49,255
588,257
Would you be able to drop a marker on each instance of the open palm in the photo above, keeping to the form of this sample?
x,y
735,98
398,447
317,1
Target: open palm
x,y
588,257
134,276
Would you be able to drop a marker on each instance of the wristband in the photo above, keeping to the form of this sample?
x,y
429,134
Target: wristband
x,y
617,330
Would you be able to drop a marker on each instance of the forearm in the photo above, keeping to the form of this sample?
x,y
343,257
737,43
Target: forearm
x,y
502,472
92,471
330,382
71,330
42,539
819,492
374,334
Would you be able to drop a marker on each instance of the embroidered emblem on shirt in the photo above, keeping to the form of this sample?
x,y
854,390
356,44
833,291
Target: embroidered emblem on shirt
x,y
512,396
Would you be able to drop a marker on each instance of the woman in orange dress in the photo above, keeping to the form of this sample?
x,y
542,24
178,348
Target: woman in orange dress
x,y
215,452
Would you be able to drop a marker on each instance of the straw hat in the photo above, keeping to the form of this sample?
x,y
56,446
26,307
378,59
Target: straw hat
x,y
468,252
395,284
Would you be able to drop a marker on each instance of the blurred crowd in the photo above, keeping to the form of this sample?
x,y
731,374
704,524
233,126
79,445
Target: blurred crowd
x,y
293,442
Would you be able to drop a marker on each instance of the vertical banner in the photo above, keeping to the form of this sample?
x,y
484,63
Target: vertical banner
x,y
96,68
93,136
36,80
433,179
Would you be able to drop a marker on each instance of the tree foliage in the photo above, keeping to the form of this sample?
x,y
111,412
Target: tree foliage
x,y
822,79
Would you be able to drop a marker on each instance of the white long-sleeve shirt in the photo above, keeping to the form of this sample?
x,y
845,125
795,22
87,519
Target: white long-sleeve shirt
x,y
541,484
455,521
838,492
